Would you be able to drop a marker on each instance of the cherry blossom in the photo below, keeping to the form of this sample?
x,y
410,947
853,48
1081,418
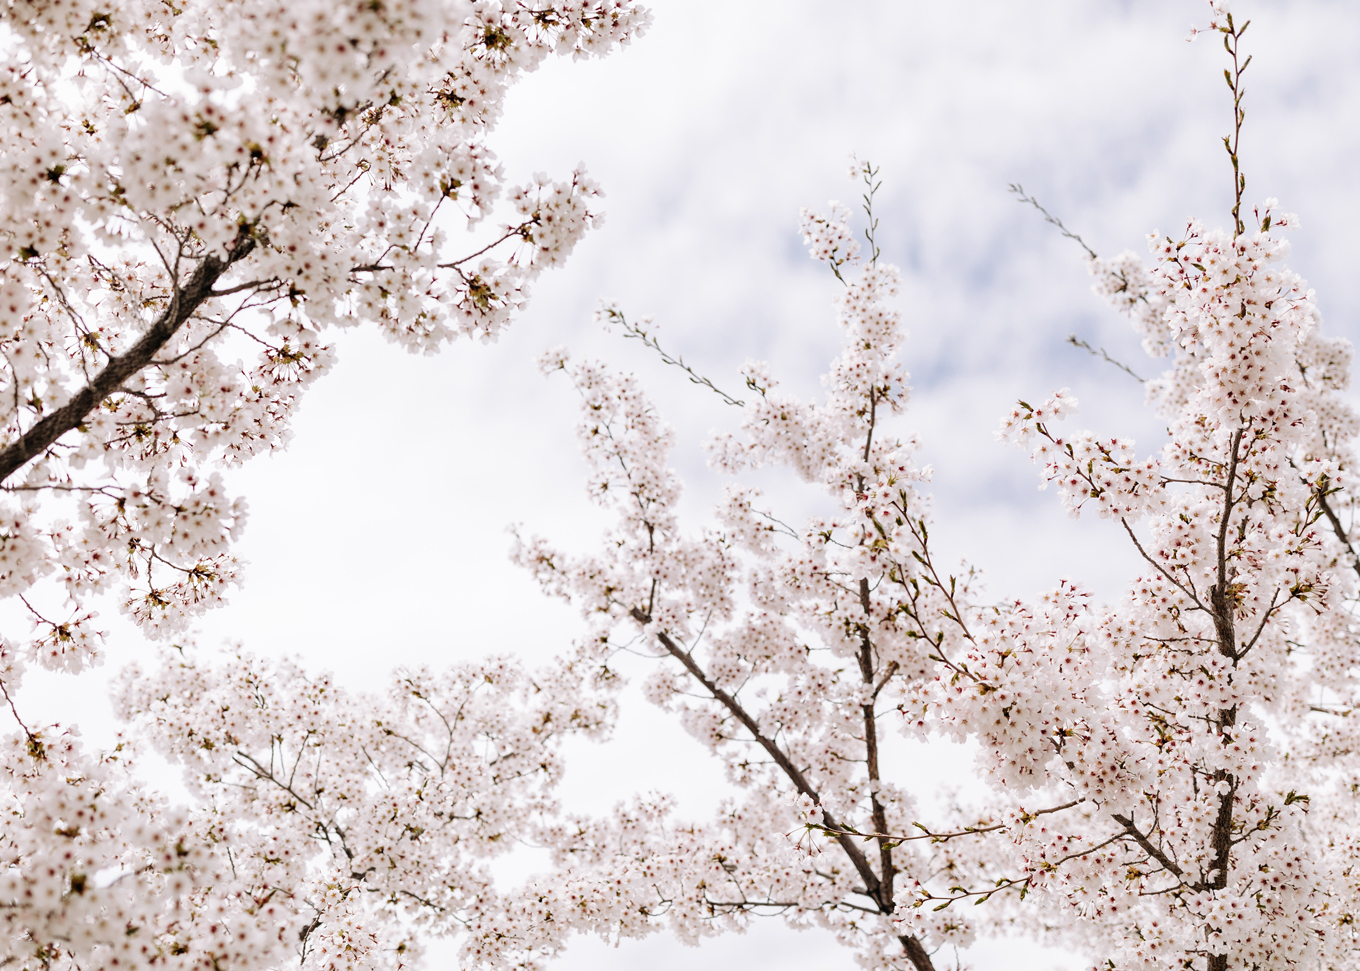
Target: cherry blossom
x,y
1169,775
784,656
192,195
368,820
98,869
1169,779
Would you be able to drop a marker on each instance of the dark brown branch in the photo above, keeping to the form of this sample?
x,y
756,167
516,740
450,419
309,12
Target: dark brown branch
x,y
1337,528
874,887
871,730
252,285
248,762
1150,848
1189,592
36,750
916,952
866,667
185,302
1219,596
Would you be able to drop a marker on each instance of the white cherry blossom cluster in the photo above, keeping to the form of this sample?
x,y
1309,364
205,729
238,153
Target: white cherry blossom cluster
x,y
775,648
1124,283
189,196
101,873
368,820
1164,723
828,238
1150,762
1105,473
1171,779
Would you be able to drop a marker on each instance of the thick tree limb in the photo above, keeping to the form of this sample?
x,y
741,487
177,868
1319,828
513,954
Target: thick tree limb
x,y
185,301
1223,608
879,814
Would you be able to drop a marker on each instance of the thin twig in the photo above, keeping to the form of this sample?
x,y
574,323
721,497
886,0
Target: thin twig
x,y
633,331
1023,197
1075,341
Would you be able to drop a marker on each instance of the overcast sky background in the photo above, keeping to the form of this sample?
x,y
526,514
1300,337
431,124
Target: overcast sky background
x,y
378,538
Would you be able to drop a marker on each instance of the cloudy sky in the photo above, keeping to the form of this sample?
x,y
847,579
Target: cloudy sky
x,y
378,537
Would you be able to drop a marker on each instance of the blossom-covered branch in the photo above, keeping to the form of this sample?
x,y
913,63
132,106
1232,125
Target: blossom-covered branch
x,y
1169,775
185,185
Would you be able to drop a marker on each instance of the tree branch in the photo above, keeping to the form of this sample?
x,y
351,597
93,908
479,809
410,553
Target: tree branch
x,y
917,953
183,304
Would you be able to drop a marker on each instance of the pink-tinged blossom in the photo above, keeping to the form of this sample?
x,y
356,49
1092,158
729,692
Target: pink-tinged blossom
x,y
190,197
368,820
1170,777
100,872
760,629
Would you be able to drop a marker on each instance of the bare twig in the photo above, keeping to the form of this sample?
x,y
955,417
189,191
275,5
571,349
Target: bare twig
x,y
1025,198
1075,341
1232,37
635,332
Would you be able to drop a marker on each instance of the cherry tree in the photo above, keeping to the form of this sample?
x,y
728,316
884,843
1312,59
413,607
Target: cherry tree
x,y
1171,777
183,184
191,194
